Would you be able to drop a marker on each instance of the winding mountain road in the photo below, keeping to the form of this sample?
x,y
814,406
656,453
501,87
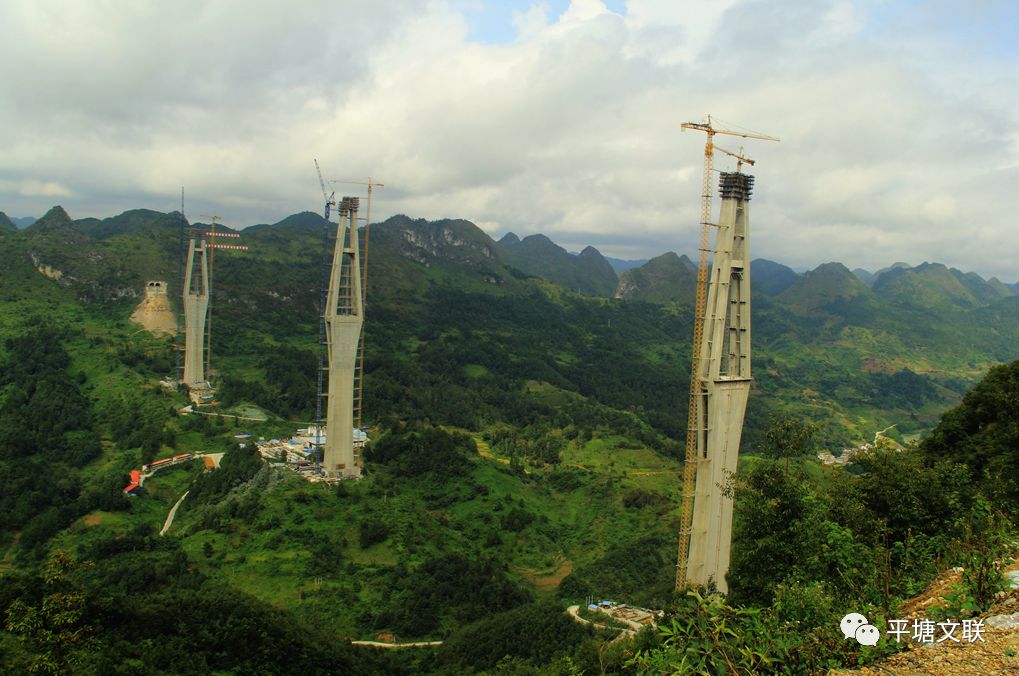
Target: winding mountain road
x,y
380,644
173,513
574,611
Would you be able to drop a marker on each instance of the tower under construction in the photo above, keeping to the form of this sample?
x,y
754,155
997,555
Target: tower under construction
x,y
720,376
196,309
343,318
723,385
197,289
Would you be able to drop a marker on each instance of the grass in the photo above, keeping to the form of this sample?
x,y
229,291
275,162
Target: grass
x,y
149,509
274,554
599,617
475,371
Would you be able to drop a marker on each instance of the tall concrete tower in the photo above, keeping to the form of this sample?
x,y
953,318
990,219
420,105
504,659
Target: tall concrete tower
x,y
343,317
724,381
196,309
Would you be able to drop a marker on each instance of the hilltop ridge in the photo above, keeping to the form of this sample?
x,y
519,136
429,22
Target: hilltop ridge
x,y
934,326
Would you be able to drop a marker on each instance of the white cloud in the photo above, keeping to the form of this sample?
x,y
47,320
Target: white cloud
x,y
898,140
35,188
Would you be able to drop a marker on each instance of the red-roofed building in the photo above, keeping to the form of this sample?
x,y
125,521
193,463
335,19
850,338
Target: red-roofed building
x,y
134,487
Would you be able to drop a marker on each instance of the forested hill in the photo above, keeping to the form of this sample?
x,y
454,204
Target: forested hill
x,y
524,458
6,224
587,272
444,296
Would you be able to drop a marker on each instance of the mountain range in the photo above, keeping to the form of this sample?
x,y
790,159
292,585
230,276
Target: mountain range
x,y
854,350
18,223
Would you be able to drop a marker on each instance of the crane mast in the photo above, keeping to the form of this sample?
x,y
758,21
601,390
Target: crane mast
x,y
330,199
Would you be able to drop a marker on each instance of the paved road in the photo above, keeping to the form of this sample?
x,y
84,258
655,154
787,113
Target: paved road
x,y
623,633
173,512
380,644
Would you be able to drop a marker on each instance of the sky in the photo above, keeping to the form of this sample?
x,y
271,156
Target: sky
x,y
899,121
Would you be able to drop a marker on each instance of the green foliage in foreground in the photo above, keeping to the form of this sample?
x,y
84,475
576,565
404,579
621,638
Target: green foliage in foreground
x,y
811,542
640,570
445,592
43,411
706,635
46,436
872,535
983,433
431,451
988,540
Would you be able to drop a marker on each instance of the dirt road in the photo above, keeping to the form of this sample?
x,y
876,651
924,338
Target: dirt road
x,y
173,512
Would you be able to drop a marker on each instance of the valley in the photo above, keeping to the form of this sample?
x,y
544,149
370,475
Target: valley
x,y
526,407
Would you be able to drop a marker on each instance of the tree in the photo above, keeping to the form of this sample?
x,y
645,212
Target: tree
x,y
787,438
58,625
983,433
373,530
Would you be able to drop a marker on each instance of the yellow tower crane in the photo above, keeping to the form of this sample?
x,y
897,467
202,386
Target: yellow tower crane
x,y
694,415
740,158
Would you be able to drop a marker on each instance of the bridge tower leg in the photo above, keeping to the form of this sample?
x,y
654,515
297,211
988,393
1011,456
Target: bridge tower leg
x,y
343,317
196,309
725,379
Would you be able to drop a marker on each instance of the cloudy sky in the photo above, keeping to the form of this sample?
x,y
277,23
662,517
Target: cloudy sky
x,y
899,120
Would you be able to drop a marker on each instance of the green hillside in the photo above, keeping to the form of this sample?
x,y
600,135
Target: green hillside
x,y
828,287
773,278
6,224
525,452
442,300
663,279
587,273
134,222
864,276
935,286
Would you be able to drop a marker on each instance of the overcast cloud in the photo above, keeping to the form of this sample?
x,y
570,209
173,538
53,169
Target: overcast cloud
x,y
899,121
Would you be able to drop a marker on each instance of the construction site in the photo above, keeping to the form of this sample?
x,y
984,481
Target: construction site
x,y
341,333
326,451
299,452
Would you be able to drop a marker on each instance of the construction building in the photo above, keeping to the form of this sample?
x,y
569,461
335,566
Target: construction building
x,y
154,311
